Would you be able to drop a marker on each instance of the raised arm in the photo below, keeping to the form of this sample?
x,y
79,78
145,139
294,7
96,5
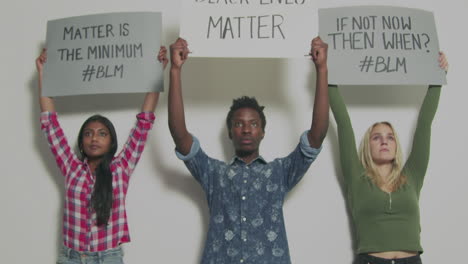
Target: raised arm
x,y
46,103
182,138
50,126
151,98
419,157
319,126
348,153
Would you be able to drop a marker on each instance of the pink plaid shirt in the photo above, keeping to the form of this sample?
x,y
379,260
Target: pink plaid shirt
x,y
80,231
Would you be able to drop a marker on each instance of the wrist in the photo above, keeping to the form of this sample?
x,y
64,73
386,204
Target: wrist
x,y
175,68
322,69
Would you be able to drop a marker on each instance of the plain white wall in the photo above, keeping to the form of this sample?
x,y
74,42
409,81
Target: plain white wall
x,y
166,208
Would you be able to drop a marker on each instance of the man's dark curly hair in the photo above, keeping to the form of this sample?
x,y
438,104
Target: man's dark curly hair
x,y
245,102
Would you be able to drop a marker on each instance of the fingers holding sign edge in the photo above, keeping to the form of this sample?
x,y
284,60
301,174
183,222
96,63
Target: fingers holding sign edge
x,y
443,62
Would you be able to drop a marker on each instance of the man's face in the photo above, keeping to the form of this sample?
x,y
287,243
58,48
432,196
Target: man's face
x,y
246,131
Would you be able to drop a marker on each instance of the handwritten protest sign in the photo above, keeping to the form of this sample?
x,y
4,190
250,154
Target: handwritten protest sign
x,y
248,28
104,53
381,45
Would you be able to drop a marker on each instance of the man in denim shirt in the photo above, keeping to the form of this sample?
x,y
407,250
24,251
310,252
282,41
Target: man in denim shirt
x,y
246,195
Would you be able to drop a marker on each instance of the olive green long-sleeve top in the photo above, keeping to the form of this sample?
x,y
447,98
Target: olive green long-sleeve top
x,y
385,221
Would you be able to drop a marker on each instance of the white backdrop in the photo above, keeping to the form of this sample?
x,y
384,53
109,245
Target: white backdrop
x,y
166,207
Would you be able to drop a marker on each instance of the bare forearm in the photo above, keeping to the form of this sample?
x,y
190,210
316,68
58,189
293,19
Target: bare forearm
x,y
319,126
46,103
150,102
179,132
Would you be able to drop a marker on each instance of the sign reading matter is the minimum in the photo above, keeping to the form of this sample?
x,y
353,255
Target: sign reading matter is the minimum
x,y
381,45
103,53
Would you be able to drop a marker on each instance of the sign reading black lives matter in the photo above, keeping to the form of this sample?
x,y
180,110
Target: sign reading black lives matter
x,y
381,45
103,53
248,28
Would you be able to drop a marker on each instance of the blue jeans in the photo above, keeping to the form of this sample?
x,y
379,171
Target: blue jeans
x,y
110,256
368,259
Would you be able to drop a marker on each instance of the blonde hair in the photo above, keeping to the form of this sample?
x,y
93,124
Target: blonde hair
x,y
396,178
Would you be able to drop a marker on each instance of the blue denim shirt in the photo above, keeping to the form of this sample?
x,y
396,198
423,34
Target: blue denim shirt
x,y
246,203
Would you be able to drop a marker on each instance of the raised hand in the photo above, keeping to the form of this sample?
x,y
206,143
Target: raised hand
x,y
179,53
41,60
443,62
318,51
162,56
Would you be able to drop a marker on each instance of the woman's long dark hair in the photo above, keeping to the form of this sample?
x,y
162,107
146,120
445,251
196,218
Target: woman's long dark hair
x,y
102,198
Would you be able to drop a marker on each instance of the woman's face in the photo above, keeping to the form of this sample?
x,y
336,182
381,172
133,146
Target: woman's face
x,y
382,144
96,140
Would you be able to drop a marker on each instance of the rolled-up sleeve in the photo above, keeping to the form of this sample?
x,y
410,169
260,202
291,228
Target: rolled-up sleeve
x,y
58,142
306,149
135,144
193,150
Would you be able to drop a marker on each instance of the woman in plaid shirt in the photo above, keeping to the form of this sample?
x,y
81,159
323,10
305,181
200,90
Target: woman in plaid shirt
x,y
96,183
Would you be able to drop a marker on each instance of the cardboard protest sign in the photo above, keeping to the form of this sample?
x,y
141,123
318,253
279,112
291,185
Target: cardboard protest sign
x,y
381,45
103,53
248,28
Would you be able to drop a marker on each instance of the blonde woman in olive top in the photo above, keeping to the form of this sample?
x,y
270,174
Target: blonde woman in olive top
x,y
382,192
